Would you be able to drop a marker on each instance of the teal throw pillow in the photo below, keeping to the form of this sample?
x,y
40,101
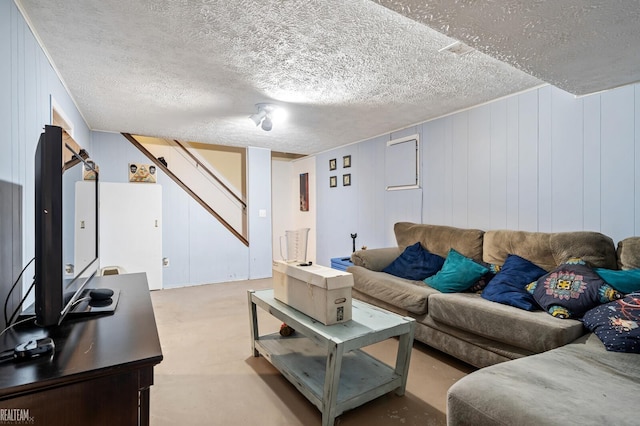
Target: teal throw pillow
x,y
457,274
625,281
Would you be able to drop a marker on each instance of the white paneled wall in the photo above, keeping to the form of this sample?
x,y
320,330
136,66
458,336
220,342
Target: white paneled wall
x,y
538,161
27,85
542,160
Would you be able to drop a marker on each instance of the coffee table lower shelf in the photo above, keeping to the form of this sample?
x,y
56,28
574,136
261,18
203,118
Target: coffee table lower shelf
x,y
326,363
303,362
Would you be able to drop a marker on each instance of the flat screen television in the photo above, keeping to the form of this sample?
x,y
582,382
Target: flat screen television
x,y
66,226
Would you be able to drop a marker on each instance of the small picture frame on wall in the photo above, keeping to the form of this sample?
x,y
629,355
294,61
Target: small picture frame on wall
x,y
333,181
333,164
304,192
346,179
346,161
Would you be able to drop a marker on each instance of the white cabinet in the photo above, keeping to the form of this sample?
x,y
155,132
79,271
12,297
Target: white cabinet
x,y
131,229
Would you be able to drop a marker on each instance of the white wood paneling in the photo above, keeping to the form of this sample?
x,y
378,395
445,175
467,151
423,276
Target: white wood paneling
x,y
435,177
27,81
528,161
460,169
592,190
498,165
259,192
545,160
370,201
542,160
637,161
617,162
479,179
567,168
512,170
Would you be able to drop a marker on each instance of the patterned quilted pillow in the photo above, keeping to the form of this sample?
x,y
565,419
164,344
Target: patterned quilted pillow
x,y
571,289
617,324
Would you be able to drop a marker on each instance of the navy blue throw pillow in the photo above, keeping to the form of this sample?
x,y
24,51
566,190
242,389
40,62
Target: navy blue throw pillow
x,y
415,263
509,285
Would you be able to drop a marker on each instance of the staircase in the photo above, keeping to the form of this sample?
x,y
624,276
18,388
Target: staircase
x,y
192,173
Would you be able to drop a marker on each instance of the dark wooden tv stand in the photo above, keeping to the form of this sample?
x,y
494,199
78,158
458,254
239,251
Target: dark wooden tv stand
x,y
101,371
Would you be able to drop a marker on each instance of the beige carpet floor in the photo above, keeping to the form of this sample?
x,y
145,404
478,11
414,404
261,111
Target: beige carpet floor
x,y
209,376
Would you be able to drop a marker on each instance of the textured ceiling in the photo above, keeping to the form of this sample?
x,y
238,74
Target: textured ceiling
x,y
581,46
345,71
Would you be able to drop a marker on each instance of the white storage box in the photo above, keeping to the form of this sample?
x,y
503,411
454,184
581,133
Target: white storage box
x,y
320,292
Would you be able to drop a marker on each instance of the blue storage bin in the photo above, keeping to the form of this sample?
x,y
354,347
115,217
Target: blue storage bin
x,y
341,263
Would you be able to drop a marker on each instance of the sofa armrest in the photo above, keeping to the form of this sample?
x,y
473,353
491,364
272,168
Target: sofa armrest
x,y
375,259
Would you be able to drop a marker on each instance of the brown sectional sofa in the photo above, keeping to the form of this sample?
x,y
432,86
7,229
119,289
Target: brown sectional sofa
x,y
475,330
484,333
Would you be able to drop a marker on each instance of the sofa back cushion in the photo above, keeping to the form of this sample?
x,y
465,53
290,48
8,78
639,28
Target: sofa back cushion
x,y
439,239
548,250
629,253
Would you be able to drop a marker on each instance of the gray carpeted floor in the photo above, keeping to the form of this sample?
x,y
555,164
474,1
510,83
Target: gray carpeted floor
x,y
209,376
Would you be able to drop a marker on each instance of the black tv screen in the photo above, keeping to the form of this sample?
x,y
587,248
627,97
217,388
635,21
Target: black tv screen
x,y
66,226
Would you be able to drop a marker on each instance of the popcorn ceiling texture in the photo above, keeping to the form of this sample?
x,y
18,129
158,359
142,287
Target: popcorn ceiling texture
x,y
346,71
580,46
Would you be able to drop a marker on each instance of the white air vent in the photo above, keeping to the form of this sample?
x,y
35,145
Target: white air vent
x,y
458,48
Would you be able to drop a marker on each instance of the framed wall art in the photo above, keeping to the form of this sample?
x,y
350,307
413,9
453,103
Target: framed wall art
x,y
304,192
333,164
333,181
346,161
346,179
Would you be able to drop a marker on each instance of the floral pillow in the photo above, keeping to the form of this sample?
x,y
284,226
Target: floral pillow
x,y
571,289
617,324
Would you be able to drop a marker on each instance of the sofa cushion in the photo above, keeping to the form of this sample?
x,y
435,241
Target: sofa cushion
x,y
596,249
549,250
572,289
440,239
508,286
457,274
628,254
375,259
405,294
533,246
535,331
415,263
577,384
617,324
624,281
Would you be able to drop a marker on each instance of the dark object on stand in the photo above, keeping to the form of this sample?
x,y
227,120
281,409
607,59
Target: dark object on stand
x,y
354,236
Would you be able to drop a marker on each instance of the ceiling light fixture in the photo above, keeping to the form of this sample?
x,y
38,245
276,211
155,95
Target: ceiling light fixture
x,y
267,114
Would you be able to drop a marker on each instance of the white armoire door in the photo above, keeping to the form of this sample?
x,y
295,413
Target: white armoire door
x,y
131,229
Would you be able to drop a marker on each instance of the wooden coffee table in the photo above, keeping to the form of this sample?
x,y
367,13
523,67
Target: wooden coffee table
x,y
326,363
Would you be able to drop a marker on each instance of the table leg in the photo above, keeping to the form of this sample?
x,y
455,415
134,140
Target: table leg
x,y
253,323
331,382
405,345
